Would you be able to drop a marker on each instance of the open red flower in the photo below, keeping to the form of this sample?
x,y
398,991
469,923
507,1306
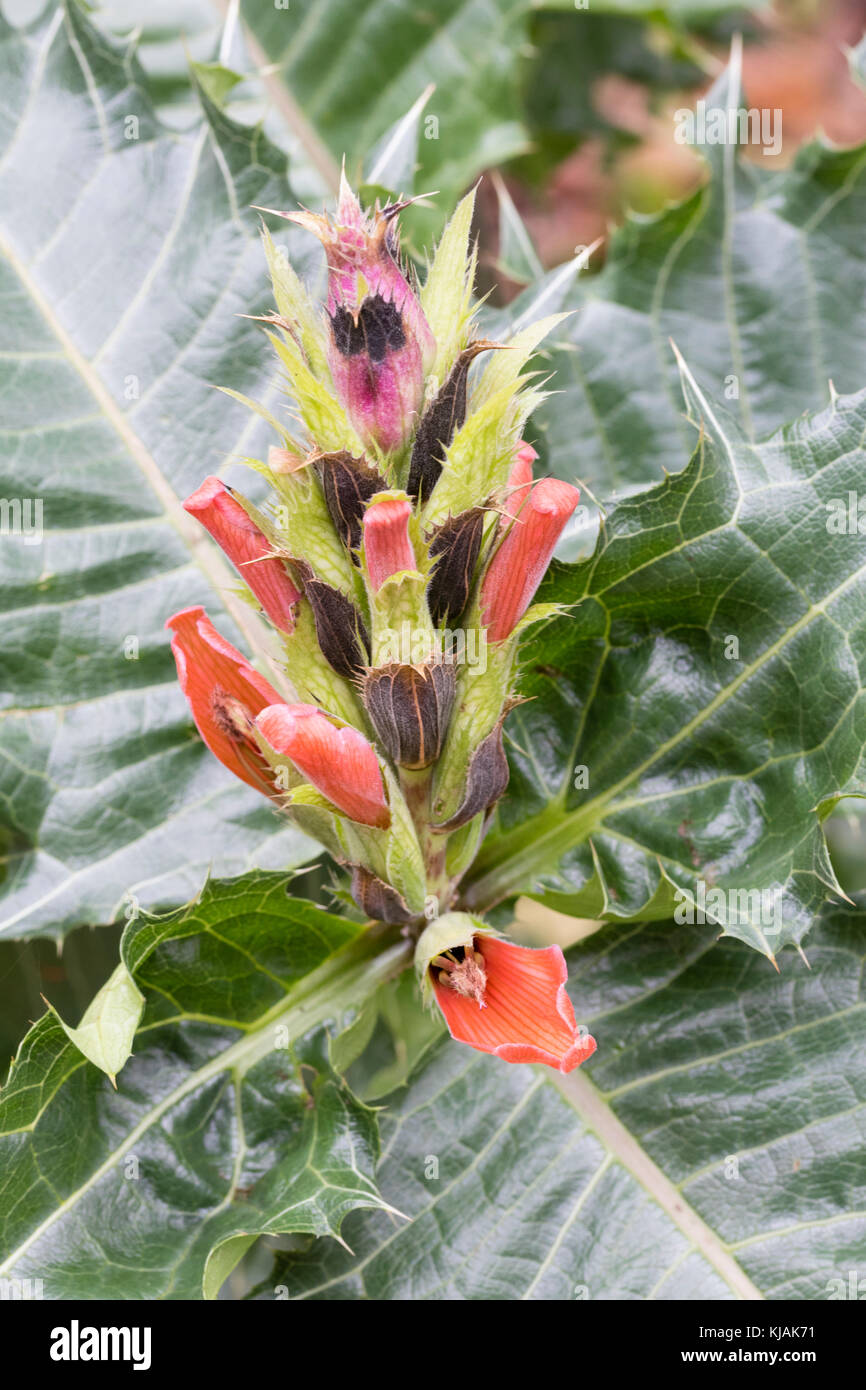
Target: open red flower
x,y
518,566
510,1000
387,547
248,548
339,762
225,694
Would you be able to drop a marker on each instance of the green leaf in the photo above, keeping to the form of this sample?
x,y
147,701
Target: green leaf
x,y
216,80
228,1121
123,269
391,165
517,257
702,697
395,1032
691,11
758,277
711,1149
170,34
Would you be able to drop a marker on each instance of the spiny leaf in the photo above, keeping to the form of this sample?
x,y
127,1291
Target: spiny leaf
x,y
710,1150
759,278
228,1120
117,324
702,695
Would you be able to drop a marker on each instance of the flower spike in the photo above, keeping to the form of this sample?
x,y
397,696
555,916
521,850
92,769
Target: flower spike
x,y
404,544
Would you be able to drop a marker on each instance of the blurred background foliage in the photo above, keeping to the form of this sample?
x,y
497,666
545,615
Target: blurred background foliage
x,y
572,100
568,111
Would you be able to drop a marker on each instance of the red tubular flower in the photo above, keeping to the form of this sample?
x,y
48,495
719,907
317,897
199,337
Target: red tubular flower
x,y
387,547
380,341
224,692
249,550
511,1001
521,469
518,566
339,762
520,478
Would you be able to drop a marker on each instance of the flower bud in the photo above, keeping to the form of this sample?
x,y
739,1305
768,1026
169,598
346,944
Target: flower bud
x,y
518,566
380,342
305,526
486,779
343,639
387,547
482,702
225,694
378,899
340,763
348,484
443,417
410,708
500,998
221,512
312,676
454,548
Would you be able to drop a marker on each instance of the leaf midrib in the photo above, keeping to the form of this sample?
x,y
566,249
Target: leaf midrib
x,y
277,88
597,1115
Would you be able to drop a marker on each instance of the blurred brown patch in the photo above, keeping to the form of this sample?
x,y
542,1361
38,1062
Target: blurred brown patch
x,y
796,63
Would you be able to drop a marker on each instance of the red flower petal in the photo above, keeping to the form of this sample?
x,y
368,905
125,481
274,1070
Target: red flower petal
x,y
248,548
518,566
219,682
339,762
527,1014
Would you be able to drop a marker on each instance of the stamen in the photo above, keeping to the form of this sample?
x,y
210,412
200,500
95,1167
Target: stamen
x,y
467,976
445,963
231,715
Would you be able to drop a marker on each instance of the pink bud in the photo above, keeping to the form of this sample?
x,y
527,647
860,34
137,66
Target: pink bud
x,y
518,566
339,762
387,547
381,345
248,548
225,694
